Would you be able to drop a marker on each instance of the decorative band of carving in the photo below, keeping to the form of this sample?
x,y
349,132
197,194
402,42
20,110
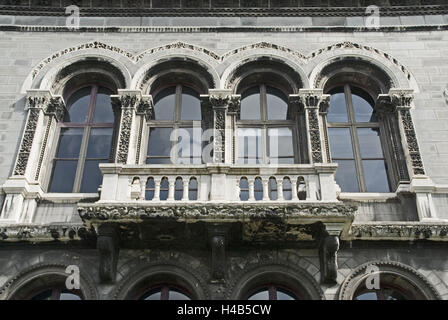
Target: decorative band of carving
x,y
45,233
411,139
403,232
201,211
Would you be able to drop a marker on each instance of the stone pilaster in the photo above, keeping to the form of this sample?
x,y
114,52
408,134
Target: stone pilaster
x,y
311,100
130,104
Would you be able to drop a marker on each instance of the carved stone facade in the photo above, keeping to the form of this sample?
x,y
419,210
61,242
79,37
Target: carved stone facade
x,y
225,229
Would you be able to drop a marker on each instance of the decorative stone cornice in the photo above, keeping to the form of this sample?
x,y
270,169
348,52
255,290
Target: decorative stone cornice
x,y
221,9
45,233
400,231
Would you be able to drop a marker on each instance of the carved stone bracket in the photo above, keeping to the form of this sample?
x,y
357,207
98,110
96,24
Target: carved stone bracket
x,y
313,101
328,249
217,238
108,248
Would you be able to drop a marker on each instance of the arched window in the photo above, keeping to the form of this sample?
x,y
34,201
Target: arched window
x,y
193,189
355,141
273,192
165,292
84,142
164,189
150,189
244,189
175,133
56,294
266,134
178,189
258,189
273,292
287,189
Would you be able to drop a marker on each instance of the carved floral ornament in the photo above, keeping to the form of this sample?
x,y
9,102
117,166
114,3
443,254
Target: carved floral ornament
x,y
215,58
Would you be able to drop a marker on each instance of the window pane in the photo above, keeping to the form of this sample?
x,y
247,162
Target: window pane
x,y
287,189
367,296
178,189
263,295
150,188
258,189
244,189
63,176
340,143
189,147
164,184
346,176
249,145
103,107
78,106
193,189
91,177
70,142
69,296
250,104
99,143
153,296
370,143
363,106
284,296
338,107
277,104
176,295
375,175
191,105
159,145
273,194
281,148
164,103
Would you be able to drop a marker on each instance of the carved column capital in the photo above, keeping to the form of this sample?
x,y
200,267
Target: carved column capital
x,y
313,98
145,107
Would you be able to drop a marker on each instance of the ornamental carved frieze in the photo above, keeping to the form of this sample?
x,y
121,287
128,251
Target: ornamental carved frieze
x,y
400,231
324,210
36,233
219,135
411,139
314,132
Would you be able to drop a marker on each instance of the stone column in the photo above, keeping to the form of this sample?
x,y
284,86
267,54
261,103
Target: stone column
x,y
23,188
126,103
311,100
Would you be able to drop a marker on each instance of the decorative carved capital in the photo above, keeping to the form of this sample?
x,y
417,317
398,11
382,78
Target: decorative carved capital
x,y
146,107
313,98
395,99
328,249
224,99
126,99
56,108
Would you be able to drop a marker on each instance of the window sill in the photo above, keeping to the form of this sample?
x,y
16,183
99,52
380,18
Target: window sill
x,y
367,196
69,197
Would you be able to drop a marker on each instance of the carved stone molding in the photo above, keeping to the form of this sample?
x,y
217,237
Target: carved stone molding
x,y
43,233
404,232
328,248
102,212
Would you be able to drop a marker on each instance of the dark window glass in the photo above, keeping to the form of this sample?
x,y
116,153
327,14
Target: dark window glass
x,y
63,178
165,293
159,146
250,104
193,189
355,142
103,107
56,294
150,189
338,107
85,141
70,142
244,189
287,189
164,187
273,193
164,104
191,105
258,189
273,293
91,177
178,189
277,104
78,106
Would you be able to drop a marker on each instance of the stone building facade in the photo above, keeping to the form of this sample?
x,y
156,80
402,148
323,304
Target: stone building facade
x,y
357,188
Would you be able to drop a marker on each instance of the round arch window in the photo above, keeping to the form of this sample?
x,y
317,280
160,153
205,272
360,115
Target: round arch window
x,y
273,292
165,292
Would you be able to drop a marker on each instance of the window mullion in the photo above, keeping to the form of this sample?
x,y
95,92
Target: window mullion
x,y
355,141
92,102
178,103
81,160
